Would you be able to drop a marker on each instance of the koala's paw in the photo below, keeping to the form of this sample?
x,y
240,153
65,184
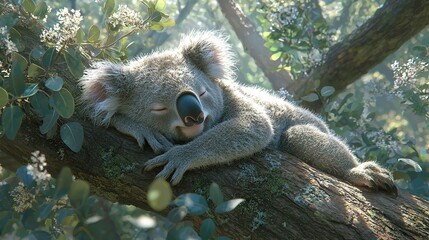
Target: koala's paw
x,y
371,175
156,141
174,164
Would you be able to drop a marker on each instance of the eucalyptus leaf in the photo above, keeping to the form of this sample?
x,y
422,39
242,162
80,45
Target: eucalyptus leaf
x,y
177,214
25,176
160,5
72,135
30,90
275,56
35,70
74,62
80,36
49,121
228,205
54,83
412,163
11,121
63,102
29,6
310,97
63,184
4,97
17,79
182,232
216,194
48,57
41,9
159,194
94,33
195,203
207,229
23,63
44,210
327,91
108,8
40,103
79,192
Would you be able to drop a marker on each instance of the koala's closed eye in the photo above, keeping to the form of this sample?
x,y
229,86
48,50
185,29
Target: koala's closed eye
x,y
158,109
203,91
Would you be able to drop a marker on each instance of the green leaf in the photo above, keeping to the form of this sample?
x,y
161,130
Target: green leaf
x,y
30,90
156,27
228,205
63,184
275,56
79,192
327,91
4,97
80,36
48,57
11,121
17,79
41,9
37,52
6,201
94,33
63,102
40,103
168,23
177,214
40,235
8,20
54,83
216,194
23,63
182,232
44,211
49,121
72,135
195,203
310,97
28,6
74,63
207,229
26,178
35,70
108,8
160,5
159,194
411,163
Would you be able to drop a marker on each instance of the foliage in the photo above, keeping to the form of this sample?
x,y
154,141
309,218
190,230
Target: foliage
x,y
30,82
35,206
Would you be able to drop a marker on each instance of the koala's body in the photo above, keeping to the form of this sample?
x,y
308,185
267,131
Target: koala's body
x,y
185,104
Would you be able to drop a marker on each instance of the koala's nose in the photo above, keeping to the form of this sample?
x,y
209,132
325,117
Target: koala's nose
x,y
189,109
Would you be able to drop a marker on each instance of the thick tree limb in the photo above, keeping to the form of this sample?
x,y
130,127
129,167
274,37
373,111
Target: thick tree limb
x,y
253,44
294,200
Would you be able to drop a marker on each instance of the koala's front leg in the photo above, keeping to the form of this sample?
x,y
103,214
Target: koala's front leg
x,y
141,133
238,137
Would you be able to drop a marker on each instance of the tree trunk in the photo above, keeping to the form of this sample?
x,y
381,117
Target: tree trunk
x,y
285,198
392,25
253,44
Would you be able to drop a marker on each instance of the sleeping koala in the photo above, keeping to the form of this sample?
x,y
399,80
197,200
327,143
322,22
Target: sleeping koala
x,y
185,104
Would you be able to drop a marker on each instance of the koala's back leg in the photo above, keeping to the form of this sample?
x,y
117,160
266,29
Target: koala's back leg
x,y
329,154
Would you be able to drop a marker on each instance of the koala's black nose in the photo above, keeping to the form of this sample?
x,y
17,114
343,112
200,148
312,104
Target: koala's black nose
x,y
189,109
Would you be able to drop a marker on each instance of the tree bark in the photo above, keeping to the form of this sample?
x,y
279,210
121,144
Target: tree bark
x,y
392,25
253,44
292,199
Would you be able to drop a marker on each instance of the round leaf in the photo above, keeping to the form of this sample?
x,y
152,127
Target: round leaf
x,y
11,121
79,192
80,35
40,103
49,121
48,57
26,177
160,5
207,229
275,56
215,194
44,211
74,63
28,6
177,214
411,163
310,97
4,97
17,83
228,205
108,8
63,102
64,181
159,194
327,91
72,135
54,83
195,203
35,70
41,9
94,33
30,90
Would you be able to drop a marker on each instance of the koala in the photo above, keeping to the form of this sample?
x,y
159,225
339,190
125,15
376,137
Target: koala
x,y
185,104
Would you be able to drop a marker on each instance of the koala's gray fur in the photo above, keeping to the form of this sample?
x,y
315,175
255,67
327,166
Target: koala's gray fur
x,y
139,99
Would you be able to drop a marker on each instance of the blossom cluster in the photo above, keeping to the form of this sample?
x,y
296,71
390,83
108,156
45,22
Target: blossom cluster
x,y
405,75
63,32
22,198
6,42
125,17
37,168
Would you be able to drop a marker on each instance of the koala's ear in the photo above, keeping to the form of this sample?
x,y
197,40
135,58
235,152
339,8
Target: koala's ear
x,y
210,52
102,87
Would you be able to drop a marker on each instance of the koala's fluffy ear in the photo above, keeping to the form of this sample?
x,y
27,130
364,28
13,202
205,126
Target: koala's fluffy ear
x,y
209,52
102,87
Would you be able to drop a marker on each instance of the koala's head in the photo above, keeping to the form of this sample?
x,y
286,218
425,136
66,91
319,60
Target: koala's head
x,y
175,92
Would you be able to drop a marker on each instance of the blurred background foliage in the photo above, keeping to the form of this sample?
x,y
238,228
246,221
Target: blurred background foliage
x,y
383,116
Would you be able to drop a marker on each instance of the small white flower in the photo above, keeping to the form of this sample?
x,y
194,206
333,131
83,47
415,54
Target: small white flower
x,y
6,42
125,17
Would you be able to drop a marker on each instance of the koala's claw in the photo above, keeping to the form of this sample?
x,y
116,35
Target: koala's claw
x,y
371,175
173,165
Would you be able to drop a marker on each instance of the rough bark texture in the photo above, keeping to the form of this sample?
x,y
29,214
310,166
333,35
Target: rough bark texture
x,y
253,44
297,201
